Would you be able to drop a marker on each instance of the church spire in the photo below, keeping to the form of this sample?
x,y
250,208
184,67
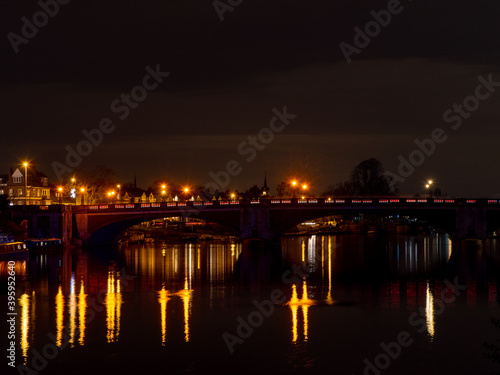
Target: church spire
x,y
265,188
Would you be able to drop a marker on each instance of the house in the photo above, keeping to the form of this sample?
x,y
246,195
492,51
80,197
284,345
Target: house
x,y
34,190
130,193
3,183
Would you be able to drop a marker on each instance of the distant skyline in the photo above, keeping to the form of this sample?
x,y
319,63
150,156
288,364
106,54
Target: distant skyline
x,y
225,78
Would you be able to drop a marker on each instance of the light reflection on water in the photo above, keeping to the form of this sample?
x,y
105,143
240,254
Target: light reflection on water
x,y
304,303
113,304
185,281
24,303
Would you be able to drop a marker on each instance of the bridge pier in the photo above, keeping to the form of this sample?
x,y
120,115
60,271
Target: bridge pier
x,y
67,227
81,226
255,222
471,222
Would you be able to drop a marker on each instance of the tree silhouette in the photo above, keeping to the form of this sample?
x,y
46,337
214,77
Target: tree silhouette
x,y
367,178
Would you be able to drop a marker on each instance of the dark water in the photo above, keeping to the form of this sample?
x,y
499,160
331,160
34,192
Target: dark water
x,y
320,304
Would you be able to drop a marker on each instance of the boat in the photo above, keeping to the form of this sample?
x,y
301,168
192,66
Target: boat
x,y
35,243
9,250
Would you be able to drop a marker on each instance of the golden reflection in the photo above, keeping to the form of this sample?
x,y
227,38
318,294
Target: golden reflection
x,y
72,312
293,303
305,302
113,306
24,302
185,295
303,250
163,299
82,311
429,312
59,315
329,298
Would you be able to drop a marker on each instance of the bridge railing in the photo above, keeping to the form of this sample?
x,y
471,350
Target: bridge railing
x,y
273,202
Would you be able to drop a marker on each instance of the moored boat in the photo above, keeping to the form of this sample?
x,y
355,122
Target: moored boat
x,y
42,242
9,250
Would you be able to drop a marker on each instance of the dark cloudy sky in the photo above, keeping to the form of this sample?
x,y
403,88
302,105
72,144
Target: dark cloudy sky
x,y
226,78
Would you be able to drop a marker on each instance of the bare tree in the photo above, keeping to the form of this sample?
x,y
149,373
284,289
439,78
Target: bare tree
x,y
367,178
97,182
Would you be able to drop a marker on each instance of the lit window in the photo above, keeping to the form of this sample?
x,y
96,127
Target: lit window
x,y
11,192
20,192
17,180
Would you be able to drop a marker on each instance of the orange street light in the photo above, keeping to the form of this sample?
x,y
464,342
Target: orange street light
x,y
304,187
186,191
26,181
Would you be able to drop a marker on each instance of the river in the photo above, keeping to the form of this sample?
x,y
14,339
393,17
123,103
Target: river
x,y
342,304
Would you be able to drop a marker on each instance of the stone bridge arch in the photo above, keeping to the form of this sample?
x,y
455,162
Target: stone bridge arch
x,y
106,228
283,220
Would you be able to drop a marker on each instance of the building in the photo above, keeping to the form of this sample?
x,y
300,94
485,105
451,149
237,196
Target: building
x,y
3,183
35,190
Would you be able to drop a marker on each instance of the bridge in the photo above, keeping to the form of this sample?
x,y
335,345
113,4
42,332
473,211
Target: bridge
x,y
267,218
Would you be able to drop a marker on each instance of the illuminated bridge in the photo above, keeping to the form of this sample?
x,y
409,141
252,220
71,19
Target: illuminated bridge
x,y
267,218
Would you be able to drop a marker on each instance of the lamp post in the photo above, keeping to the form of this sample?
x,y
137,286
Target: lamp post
x,y
82,190
428,187
26,182
186,192
60,191
163,192
111,194
294,184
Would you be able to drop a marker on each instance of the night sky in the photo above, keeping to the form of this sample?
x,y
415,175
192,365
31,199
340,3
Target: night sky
x,y
226,77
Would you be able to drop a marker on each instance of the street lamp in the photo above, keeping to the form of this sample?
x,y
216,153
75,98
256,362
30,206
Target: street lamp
x,y
26,182
163,192
60,190
111,194
294,184
186,192
82,190
428,187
